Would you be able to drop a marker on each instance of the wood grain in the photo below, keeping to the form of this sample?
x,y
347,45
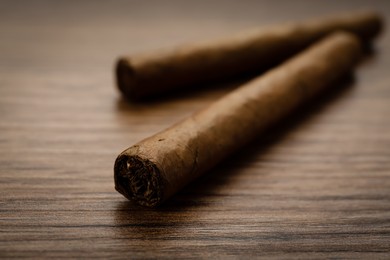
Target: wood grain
x,y
316,186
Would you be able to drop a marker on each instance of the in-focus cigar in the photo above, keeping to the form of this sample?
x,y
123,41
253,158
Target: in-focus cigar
x,y
142,76
154,169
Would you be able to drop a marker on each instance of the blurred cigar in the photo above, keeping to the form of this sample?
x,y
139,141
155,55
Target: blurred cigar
x,y
143,76
154,169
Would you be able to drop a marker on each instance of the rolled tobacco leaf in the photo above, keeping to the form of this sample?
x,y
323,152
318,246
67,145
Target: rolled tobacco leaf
x,y
142,76
154,169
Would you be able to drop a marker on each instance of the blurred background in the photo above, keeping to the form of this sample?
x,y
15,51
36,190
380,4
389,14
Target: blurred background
x,y
47,35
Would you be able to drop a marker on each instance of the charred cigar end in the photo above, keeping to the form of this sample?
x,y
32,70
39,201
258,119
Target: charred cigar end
x,y
138,179
125,79
373,27
377,24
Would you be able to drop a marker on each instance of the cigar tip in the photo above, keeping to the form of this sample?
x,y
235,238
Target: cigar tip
x,y
372,25
125,78
138,179
378,22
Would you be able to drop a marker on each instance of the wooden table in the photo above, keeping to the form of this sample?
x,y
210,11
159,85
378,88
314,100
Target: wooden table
x,y
318,186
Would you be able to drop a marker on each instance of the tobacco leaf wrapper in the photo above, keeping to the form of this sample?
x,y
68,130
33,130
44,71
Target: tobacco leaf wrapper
x,y
143,76
154,169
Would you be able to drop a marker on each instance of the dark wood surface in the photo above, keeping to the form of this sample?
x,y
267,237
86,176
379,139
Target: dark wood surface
x,y
317,186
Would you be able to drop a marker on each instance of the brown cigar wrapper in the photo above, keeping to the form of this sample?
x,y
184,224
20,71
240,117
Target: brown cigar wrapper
x,y
154,169
142,76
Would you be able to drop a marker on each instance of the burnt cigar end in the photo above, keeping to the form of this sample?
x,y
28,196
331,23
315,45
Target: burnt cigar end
x,y
138,179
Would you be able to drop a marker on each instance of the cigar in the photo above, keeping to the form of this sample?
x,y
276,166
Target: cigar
x,y
143,76
154,169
